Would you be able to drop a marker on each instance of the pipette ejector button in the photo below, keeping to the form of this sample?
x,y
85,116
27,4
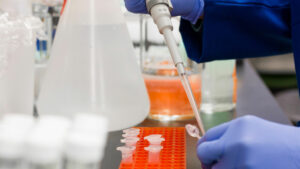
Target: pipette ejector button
x,y
152,3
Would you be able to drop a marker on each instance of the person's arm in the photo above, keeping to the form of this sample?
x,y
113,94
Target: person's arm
x,y
239,29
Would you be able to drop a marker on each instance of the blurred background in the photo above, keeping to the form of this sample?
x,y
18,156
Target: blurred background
x,y
278,72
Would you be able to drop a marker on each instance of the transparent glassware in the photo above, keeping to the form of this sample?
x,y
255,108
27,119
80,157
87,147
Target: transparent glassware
x,y
93,67
84,150
219,86
17,75
50,16
44,149
168,100
13,132
43,46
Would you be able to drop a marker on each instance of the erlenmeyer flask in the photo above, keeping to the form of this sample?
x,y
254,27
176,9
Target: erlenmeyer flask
x,y
93,68
17,75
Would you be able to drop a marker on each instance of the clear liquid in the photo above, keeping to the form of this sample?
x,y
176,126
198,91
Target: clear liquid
x,y
93,69
219,87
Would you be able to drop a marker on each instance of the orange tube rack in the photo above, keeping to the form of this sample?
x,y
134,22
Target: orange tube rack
x,y
172,156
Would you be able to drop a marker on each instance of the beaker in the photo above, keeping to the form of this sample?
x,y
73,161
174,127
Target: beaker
x,y
168,100
219,87
93,68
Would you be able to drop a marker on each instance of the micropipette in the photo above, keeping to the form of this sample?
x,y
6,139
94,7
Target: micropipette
x,y
160,12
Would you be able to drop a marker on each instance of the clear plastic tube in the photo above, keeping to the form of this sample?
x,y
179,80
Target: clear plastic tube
x,y
193,131
154,153
126,135
131,130
130,141
127,154
155,140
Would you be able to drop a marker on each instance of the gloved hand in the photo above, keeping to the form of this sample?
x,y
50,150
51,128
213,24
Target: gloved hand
x,y
189,9
250,143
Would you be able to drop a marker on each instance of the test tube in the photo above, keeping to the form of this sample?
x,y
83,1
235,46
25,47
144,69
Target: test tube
x,y
127,154
12,140
44,149
130,141
54,123
84,151
154,153
22,121
154,139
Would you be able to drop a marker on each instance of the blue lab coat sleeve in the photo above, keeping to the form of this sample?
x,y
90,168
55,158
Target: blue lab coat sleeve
x,y
233,29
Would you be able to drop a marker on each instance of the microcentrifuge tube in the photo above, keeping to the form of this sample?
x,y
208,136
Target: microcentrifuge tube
x,y
193,131
153,136
131,130
130,141
84,150
154,153
154,140
126,135
127,154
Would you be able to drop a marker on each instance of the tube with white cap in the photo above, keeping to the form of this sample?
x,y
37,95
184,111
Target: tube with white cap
x,y
84,151
44,147
13,132
160,12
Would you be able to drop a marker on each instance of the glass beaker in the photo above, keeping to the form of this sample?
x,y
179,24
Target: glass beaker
x,y
168,100
219,87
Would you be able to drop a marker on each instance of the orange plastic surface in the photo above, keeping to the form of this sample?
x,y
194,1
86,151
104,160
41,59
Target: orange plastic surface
x,y
173,155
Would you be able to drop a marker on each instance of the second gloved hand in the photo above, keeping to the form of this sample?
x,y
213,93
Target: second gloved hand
x,y
189,9
250,143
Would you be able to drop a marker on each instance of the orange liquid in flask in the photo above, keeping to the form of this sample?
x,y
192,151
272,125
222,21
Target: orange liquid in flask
x,y
168,99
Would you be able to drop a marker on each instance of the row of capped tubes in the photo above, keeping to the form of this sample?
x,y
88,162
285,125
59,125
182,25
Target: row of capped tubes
x,y
130,140
52,142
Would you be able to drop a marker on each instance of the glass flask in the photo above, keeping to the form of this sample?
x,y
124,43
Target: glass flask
x,y
168,100
16,57
219,86
93,67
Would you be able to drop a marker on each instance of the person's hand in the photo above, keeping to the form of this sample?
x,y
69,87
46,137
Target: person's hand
x,y
250,143
189,9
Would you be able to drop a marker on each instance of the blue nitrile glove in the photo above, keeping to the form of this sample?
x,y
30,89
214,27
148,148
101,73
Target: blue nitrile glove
x,y
189,9
250,143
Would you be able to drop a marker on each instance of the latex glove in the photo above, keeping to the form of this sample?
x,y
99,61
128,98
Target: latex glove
x,y
189,9
250,143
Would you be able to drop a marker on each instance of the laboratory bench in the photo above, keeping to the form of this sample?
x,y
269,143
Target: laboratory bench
x,y
254,98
